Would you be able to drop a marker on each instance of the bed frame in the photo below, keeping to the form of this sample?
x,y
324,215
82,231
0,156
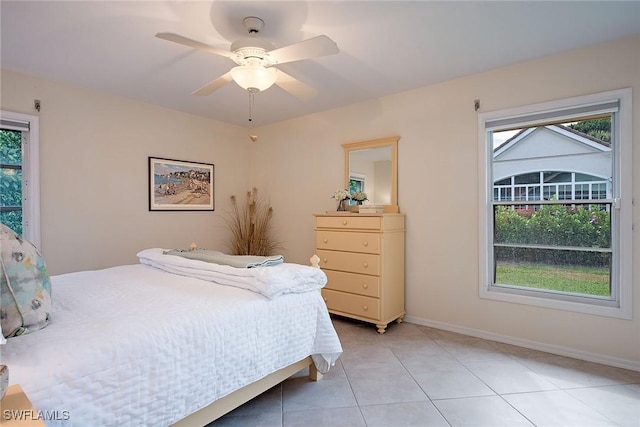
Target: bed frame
x,y
231,401
241,396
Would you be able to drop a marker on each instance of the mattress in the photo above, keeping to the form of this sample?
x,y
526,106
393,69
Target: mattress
x,y
133,345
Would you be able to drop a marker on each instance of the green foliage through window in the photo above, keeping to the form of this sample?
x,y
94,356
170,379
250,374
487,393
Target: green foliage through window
x,y
597,128
11,179
563,248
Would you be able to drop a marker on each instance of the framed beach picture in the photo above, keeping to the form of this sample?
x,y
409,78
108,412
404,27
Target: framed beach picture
x,y
177,185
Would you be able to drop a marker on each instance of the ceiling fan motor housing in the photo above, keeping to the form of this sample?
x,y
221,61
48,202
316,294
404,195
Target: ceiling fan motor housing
x,y
252,47
252,50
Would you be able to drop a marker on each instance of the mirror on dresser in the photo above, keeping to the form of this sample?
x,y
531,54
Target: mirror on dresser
x,y
372,167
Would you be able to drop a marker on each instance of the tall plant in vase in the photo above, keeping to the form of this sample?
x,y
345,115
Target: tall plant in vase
x,y
250,225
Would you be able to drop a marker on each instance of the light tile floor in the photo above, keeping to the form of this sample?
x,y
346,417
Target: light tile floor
x,y
418,376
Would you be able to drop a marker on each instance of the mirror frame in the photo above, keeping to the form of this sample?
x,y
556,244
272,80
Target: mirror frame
x,y
375,143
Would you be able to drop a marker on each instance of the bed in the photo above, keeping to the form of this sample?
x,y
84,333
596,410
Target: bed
x,y
151,344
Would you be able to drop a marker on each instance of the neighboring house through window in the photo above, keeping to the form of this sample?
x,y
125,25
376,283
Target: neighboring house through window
x,y
19,174
524,165
555,204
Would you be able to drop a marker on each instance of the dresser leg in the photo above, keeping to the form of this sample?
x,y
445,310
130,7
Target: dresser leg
x,y
381,328
400,319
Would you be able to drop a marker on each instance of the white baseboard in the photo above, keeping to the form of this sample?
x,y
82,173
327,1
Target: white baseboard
x,y
549,348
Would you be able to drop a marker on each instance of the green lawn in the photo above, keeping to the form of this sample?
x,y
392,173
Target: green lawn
x,y
573,279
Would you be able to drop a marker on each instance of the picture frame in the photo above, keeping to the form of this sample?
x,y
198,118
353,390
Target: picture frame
x,y
180,185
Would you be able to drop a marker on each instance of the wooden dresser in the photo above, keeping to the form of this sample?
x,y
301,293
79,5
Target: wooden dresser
x,y
363,258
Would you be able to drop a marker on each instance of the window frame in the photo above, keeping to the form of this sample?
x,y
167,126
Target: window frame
x,y
30,174
538,114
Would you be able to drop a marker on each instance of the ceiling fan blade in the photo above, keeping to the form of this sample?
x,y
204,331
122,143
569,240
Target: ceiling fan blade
x,y
306,49
193,43
295,87
213,85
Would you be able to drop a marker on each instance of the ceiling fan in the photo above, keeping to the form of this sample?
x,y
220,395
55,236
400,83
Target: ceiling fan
x,y
257,58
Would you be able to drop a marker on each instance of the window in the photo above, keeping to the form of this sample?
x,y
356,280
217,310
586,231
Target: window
x,y
19,174
555,204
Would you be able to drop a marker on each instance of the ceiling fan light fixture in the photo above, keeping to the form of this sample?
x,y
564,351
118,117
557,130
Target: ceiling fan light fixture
x,y
254,77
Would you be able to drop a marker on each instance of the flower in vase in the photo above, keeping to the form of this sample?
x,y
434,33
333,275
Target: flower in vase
x,y
341,194
358,196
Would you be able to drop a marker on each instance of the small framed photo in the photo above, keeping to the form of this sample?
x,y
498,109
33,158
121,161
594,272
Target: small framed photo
x,y
178,185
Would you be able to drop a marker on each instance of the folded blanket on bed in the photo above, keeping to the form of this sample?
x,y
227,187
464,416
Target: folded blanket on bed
x,y
240,261
270,282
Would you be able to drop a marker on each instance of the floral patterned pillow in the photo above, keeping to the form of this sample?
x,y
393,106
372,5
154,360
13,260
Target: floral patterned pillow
x,y
25,288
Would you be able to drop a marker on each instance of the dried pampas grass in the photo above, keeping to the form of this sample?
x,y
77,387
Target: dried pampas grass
x,y
250,225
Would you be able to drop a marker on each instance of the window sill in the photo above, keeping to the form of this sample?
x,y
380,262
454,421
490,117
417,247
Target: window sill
x,y
623,312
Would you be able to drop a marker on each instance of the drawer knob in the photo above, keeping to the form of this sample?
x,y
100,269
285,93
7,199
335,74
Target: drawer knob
x,y
365,286
324,240
324,260
325,300
365,265
344,222
365,307
365,243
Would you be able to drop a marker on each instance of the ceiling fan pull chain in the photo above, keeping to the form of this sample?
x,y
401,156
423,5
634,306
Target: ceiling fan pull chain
x,y
250,105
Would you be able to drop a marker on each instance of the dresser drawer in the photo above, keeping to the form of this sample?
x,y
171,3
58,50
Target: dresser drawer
x,y
361,284
348,241
349,221
350,262
352,304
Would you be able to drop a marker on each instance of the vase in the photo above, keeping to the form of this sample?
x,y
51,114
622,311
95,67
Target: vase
x,y
341,206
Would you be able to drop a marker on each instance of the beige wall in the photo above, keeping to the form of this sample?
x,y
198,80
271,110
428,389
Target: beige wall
x,y
94,153
300,164
94,180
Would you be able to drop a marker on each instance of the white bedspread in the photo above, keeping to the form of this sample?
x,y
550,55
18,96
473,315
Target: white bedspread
x,y
136,346
269,281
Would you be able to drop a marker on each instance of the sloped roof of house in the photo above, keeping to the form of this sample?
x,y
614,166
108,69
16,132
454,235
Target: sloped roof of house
x,y
579,134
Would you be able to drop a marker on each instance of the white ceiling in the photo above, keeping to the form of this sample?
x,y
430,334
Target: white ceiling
x,y
386,47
